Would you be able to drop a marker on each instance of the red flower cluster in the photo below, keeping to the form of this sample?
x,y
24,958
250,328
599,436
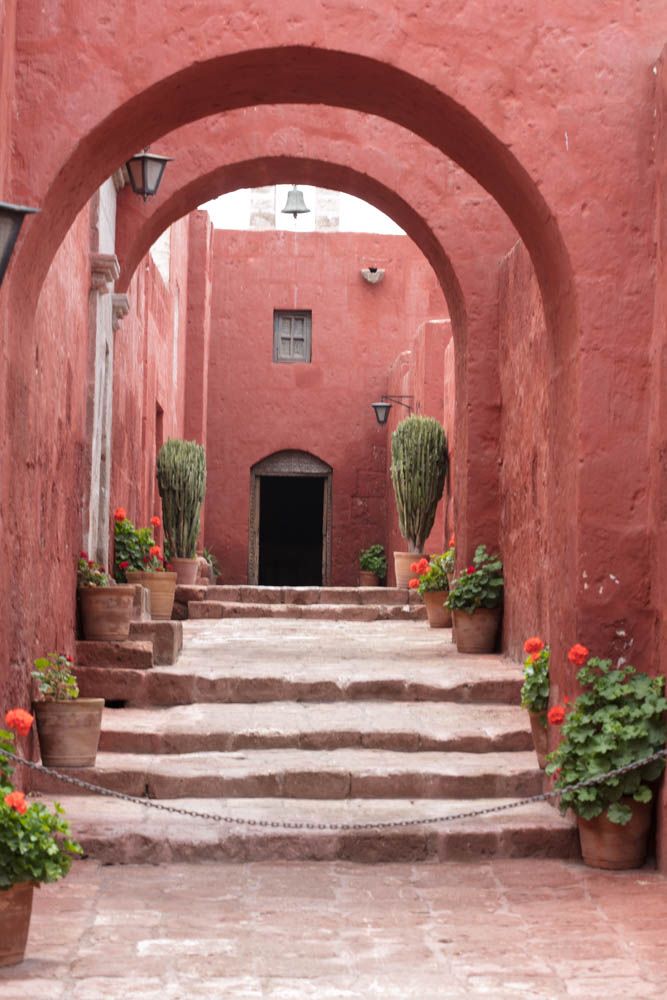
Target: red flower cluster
x,y
83,555
120,514
155,521
578,654
420,567
452,541
16,800
155,550
19,720
556,715
533,645
414,583
470,570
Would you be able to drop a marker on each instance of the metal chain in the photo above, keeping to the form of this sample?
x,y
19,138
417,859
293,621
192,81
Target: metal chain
x,y
69,779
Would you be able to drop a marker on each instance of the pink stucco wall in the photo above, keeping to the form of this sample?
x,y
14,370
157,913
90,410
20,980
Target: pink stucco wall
x,y
257,407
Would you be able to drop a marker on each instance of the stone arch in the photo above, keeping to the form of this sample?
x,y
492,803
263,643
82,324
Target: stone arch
x,y
289,463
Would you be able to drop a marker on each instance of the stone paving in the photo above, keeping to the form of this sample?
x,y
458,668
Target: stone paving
x,y
506,930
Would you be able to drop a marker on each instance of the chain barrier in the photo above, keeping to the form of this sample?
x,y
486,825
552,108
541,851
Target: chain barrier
x,y
70,779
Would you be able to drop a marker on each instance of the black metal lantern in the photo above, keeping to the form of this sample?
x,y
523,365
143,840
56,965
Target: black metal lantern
x,y
11,220
145,171
295,204
382,409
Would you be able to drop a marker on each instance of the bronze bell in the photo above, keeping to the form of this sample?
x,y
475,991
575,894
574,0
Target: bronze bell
x,y
295,203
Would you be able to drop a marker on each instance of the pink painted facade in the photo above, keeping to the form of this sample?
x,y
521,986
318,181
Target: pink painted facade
x,y
555,397
258,407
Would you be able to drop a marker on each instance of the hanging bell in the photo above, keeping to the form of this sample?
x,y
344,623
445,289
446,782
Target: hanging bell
x,y
295,205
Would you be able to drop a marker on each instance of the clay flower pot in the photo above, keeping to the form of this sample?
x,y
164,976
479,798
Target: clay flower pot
x,y
105,612
476,632
162,588
15,912
402,563
368,579
609,845
186,571
540,741
438,615
69,731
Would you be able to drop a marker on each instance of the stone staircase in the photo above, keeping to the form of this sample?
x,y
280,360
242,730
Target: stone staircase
x,y
334,721
363,604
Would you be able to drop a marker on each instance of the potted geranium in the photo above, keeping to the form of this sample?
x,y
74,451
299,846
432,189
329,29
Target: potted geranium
x,y
535,693
372,566
618,719
139,559
35,846
431,582
68,726
419,464
105,607
181,477
475,599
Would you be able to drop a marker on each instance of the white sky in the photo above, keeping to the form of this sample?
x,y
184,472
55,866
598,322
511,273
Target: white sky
x,y
232,211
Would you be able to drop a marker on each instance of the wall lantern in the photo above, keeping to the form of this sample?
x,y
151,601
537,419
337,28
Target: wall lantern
x,y
295,204
382,409
145,171
11,220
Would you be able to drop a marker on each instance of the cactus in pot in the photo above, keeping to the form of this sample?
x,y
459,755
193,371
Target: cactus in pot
x,y
181,476
419,466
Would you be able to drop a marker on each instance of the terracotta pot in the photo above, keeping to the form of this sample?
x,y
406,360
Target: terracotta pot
x,y
476,632
402,563
438,615
15,911
105,612
609,845
367,579
539,730
162,588
69,731
186,571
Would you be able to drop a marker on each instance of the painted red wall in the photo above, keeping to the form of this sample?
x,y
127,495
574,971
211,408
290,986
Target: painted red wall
x,y
149,372
257,407
420,372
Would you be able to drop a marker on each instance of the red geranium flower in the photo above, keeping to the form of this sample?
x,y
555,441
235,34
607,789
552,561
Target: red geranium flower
x,y
155,521
155,550
470,570
452,541
170,567
414,583
414,567
16,800
578,654
119,514
422,566
124,564
556,715
83,555
533,645
534,657
19,720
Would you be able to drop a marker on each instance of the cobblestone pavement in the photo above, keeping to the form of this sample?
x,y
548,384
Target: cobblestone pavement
x,y
295,931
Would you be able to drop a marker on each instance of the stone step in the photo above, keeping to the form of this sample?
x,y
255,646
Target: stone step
x,y
166,637
311,595
314,774
405,726
234,678
117,832
309,612
136,654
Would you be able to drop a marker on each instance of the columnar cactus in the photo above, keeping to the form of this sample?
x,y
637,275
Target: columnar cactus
x,y
419,464
181,476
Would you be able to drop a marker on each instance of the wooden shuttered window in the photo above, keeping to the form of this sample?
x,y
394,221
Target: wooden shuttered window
x,y
292,334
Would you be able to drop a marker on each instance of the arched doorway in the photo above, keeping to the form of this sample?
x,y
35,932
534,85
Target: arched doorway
x,y
289,532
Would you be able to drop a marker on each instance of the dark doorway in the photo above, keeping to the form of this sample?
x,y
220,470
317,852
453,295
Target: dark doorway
x,y
290,531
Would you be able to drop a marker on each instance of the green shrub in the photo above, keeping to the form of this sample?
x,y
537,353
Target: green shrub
x,y
373,560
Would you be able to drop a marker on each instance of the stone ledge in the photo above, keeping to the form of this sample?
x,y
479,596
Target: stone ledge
x,y
128,653
166,637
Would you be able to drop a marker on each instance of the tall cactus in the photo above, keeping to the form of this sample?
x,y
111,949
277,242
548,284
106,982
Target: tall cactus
x,y
419,464
181,477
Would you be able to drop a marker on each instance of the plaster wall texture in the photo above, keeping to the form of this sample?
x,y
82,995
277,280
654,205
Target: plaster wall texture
x,y
7,79
418,372
525,472
257,407
149,366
